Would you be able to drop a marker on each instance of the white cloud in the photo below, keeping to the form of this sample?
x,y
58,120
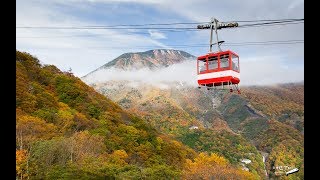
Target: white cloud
x,y
254,71
268,70
184,72
156,34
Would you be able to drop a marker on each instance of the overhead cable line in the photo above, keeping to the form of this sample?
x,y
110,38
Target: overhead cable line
x,y
252,43
133,26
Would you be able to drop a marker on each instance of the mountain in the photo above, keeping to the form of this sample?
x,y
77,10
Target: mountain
x,y
67,130
216,121
152,59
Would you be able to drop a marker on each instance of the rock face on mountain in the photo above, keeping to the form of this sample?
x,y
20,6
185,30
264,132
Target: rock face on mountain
x,y
152,59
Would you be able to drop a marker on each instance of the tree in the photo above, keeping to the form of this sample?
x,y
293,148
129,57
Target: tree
x,y
21,163
30,129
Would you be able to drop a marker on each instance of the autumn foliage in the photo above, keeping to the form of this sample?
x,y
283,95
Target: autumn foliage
x,y
66,130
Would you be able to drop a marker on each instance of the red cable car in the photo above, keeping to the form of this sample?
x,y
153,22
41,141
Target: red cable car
x,y
219,69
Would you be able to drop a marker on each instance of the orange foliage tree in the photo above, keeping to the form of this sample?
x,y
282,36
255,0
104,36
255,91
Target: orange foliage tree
x,y
21,164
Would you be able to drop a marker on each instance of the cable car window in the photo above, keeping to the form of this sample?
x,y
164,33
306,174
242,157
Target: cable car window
x,y
213,63
202,65
224,61
235,63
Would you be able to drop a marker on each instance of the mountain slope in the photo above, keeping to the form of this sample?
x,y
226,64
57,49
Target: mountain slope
x,y
283,102
171,110
175,109
66,130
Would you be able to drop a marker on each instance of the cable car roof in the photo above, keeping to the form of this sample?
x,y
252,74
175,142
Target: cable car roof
x,y
216,54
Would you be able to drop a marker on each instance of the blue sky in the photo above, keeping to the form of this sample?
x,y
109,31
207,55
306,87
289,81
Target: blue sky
x,y
87,49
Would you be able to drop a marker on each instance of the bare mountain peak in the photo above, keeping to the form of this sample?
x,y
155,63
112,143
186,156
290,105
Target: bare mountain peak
x,y
152,59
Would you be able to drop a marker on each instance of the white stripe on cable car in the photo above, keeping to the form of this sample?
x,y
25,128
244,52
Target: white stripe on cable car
x,y
219,74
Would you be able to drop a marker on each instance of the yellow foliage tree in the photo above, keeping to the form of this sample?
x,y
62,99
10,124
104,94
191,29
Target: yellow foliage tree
x,y
119,157
212,166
